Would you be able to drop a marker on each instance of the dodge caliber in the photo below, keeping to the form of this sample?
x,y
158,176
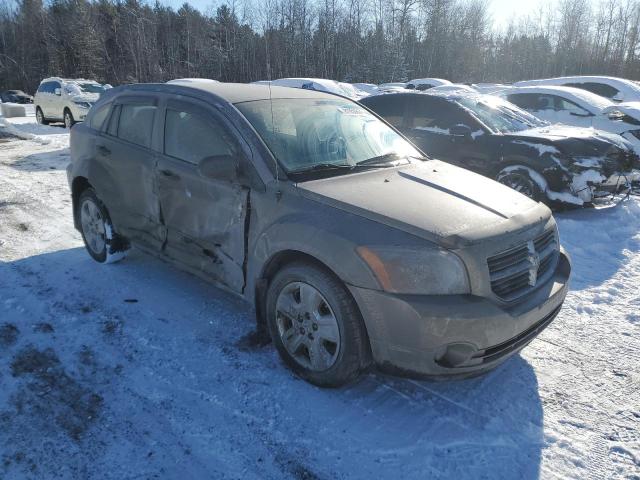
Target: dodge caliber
x,y
353,248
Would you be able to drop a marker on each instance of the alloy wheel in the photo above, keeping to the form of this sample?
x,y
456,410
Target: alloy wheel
x,y
307,326
93,226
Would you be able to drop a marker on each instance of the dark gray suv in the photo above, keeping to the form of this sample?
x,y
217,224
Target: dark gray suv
x,y
353,248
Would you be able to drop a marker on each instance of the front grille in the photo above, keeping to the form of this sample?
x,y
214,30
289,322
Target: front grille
x,y
517,271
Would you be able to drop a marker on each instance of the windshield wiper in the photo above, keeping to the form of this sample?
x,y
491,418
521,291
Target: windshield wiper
x,y
324,166
382,160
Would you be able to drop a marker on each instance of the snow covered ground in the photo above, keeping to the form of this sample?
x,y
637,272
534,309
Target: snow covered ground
x,y
137,370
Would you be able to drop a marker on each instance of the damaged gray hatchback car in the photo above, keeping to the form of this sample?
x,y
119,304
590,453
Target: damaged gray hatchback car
x,y
353,248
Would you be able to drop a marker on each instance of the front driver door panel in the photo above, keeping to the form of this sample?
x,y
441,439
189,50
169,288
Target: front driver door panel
x,y
205,217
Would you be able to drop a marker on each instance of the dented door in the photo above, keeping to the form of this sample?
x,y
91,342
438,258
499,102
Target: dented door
x,y
205,217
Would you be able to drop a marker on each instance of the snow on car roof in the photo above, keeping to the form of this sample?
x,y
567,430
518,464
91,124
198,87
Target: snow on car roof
x,y
622,84
319,84
589,101
431,81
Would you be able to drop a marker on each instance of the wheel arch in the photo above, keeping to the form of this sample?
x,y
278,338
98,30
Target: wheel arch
x,y
277,262
79,185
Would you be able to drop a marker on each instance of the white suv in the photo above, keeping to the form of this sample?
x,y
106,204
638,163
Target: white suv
x,y
67,100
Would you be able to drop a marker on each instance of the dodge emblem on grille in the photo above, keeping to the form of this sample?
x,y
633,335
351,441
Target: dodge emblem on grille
x,y
534,263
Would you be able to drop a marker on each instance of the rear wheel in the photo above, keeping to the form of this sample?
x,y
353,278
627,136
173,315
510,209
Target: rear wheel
x,y
40,117
68,119
100,239
519,178
316,326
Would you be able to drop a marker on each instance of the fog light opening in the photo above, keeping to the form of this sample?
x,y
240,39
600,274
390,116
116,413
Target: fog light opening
x,y
455,354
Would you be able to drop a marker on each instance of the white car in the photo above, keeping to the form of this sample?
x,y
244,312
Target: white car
x,y
368,88
572,106
67,100
452,87
426,83
318,84
613,88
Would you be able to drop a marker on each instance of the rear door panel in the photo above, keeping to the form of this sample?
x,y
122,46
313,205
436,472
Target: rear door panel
x,y
124,178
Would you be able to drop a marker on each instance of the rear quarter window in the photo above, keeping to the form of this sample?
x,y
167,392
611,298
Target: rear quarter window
x,y
99,117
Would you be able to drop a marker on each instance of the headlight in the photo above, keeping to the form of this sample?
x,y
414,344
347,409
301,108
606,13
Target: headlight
x,y
420,271
86,105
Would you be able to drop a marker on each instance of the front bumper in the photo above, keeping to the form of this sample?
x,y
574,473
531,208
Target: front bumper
x,y
455,335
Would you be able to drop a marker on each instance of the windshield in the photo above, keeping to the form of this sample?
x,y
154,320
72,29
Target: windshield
x,y
308,133
500,115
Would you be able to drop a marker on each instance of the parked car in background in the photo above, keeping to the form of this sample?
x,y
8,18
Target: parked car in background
x,y
368,88
426,83
391,87
326,220
67,100
452,87
572,106
15,96
318,84
613,88
486,134
489,88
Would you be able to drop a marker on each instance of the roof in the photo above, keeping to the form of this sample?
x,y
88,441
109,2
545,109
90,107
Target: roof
x,y
237,92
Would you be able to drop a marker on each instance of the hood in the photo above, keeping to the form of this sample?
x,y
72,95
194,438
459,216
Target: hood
x,y
574,141
434,200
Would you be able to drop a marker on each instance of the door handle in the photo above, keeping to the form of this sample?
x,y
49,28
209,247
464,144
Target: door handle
x,y
170,174
104,150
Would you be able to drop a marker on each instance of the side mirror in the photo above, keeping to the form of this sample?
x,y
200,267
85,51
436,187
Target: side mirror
x,y
460,131
220,167
57,91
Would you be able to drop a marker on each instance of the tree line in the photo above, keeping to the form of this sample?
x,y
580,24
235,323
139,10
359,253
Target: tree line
x,y
124,41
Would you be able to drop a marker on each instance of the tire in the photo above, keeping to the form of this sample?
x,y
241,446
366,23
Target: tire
x,y
326,342
100,239
519,178
67,116
40,117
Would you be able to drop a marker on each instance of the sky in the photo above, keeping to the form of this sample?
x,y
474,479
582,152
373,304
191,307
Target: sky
x,y
502,11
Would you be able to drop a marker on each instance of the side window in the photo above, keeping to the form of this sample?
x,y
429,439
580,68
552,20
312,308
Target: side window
x,y
526,101
437,115
191,137
601,89
99,117
562,105
423,86
53,86
43,87
390,107
135,124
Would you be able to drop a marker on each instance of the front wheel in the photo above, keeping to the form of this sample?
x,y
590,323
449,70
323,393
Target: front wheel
x,y
40,117
316,325
68,119
520,179
100,240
